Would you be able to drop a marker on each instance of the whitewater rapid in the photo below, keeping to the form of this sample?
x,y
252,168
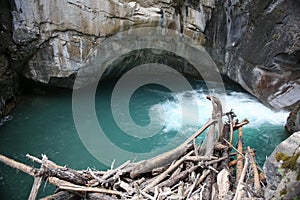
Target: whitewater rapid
x,y
191,109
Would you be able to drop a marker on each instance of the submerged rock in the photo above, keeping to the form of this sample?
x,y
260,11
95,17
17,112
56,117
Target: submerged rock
x,y
282,170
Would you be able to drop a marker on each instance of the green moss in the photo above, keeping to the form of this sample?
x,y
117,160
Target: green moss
x,y
289,162
298,175
281,156
279,12
283,192
275,36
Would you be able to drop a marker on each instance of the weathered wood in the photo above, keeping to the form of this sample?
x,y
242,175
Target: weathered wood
x,y
224,151
214,192
239,158
181,176
232,163
114,171
44,161
38,178
52,169
239,190
148,196
239,152
241,124
158,170
35,188
62,195
176,172
145,166
210,142
17,165
125,186
217,106
223,183
98,196
255,171
160,177
201,158
180,191
65,185
66,174
231,128
207,163
191,188
195,147
220,147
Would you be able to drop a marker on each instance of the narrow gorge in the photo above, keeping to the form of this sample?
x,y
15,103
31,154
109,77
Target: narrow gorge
x,y
246,46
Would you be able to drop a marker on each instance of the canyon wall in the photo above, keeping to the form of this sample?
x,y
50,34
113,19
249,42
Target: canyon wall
x,y
255,44
260,45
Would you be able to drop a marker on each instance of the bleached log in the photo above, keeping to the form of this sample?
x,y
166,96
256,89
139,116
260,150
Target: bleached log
x,y
175,179
63,195
125,186
145,166
17,165
239,158
255,171
201,158
98,196
35,187
47,163
223,183
239,190
112,172
190,190
65,185
231,128
162,176
66,174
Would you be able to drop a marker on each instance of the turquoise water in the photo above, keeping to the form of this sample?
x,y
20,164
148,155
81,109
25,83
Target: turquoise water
x,y
43,124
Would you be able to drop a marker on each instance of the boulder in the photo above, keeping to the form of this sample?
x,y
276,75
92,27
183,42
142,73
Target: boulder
x,y
293,120
282,170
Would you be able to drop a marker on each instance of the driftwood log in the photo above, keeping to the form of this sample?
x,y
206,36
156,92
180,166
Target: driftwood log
x,y
190,171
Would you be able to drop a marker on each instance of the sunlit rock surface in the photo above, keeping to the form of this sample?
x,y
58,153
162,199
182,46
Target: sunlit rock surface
x,y
282,170
63,33
254,43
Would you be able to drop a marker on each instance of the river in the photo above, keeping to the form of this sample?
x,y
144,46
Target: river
x,y
43,124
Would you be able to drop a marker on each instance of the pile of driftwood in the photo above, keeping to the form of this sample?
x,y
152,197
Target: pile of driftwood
x,y
213,170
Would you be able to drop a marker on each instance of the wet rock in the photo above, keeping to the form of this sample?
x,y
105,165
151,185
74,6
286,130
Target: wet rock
x,y
293,120
282,170
261,49
254,43
8,77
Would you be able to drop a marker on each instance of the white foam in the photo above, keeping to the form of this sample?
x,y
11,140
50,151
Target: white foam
x,y
243,105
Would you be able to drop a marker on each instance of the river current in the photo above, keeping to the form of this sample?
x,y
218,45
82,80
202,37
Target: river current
x,y
43,124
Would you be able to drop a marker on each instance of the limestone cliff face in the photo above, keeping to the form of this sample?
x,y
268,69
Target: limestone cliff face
x,y
7,74
254,43
259,47
61,34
